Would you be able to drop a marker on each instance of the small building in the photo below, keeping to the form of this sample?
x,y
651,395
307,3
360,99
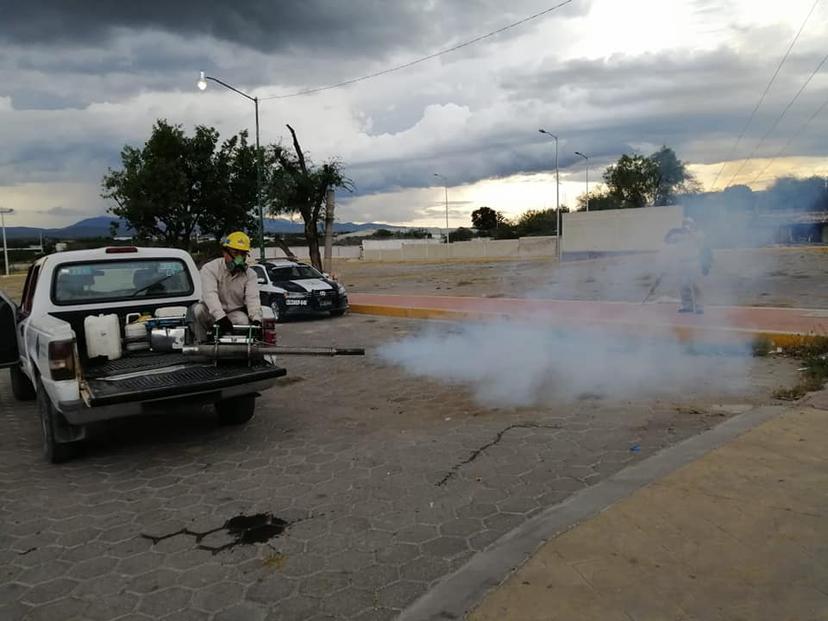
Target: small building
x,y
793,227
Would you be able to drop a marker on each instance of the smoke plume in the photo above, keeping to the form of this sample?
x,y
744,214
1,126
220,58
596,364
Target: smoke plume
x,y
513,364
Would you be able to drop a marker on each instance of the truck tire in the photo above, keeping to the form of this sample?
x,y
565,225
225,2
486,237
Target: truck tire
x,y
339,312
21,385
237,410
53,426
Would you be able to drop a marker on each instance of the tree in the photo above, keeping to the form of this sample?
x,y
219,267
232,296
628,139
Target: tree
x,y
671,177
486,219
636,181
177,185
598,201
230,195
295,184
538,222
796,194
416,234
632,180
461,234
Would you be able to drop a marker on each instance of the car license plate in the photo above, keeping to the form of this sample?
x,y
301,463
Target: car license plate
x,y
296,302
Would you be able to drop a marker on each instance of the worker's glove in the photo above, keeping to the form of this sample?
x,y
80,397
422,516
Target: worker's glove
x,y
225,324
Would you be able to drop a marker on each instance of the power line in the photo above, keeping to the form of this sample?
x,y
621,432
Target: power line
x,y
816,113
423,59
764,94
779,118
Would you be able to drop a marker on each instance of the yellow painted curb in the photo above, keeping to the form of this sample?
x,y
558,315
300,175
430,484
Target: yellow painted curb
x,y
711,334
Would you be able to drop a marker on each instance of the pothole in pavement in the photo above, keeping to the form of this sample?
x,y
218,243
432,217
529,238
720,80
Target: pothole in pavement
x,y
238,530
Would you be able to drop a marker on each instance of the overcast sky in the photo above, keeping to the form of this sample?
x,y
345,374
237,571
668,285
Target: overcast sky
x,y
81,78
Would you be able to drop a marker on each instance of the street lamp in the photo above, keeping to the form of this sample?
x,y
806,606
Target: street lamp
x,y
586,161
3,212
557,189
445,185
202,85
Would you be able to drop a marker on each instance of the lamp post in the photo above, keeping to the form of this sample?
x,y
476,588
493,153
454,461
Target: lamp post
x,y
3,212
202,85
445,185
586,162
557,189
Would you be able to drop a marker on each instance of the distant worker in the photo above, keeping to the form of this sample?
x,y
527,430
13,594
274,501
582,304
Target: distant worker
x,y
693,260
229,290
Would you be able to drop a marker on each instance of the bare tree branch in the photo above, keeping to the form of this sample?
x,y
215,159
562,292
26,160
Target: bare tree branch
x,y
299,154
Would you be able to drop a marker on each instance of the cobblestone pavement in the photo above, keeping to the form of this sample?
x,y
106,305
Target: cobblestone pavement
x,y
373,484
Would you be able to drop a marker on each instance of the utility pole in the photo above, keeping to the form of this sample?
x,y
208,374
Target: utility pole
x,y
557,192
202,85
445,186
3,212
586,161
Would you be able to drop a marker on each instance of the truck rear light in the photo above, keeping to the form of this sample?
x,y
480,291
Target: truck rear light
x,y
62,360
269,331
121,249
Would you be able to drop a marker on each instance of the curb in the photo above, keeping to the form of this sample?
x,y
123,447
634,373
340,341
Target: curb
x,y
685,334
459,593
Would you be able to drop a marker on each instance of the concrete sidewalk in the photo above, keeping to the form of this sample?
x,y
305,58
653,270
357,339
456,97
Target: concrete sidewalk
x,y
782,326
739,534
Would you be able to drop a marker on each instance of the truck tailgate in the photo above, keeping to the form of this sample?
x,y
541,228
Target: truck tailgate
x,y
152,376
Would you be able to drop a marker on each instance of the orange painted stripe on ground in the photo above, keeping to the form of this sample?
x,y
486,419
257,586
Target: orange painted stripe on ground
x,y
783,326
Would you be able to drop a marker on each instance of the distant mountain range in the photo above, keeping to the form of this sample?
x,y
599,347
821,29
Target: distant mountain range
x,y
101,226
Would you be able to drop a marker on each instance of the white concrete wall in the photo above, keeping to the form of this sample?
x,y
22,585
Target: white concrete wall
x,y
339,252
475,249
395,244
619,230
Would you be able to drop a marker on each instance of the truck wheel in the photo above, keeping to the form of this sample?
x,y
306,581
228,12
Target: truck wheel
x,y
53,426
338,313
236,410
22,388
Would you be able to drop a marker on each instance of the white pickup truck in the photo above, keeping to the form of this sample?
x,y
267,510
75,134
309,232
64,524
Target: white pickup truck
x,y
43,344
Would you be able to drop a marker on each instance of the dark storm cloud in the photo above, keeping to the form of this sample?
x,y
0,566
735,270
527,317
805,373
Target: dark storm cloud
x,y
264,25
487,158
80,51
674,98
365,26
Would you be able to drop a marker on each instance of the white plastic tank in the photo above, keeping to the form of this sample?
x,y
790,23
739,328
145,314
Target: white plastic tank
x,y
103,336
167,312
136,331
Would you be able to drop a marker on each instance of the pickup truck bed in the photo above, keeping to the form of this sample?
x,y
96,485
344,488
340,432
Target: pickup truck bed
x,y
149,376
44,344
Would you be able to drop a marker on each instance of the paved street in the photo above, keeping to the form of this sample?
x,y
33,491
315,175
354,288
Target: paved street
x,y
354,488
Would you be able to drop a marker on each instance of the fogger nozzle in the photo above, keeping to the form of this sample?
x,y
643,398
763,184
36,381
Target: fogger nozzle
x,y
255,350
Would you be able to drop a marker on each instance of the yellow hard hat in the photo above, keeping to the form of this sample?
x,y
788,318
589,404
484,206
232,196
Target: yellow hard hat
x,y
237,241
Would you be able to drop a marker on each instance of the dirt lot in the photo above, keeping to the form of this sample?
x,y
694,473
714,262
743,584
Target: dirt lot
x,y
786,277
12,285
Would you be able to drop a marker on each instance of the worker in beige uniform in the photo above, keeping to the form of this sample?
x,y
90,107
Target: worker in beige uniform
x,y
229,291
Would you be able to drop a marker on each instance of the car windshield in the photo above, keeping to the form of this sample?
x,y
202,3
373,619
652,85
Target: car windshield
x,y
292,272
107,281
